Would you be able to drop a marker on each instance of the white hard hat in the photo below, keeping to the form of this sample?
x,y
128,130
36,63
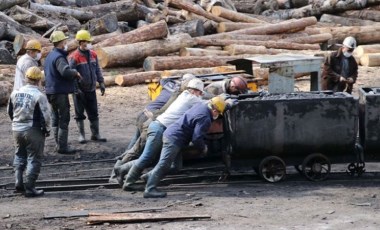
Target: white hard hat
x,y
349,42
188,77
196,84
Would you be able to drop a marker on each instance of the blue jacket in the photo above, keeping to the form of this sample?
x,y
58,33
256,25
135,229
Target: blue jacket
x,y
86,63
59,78
191,127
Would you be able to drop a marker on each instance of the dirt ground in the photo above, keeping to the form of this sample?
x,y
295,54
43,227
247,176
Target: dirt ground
x,y
285,205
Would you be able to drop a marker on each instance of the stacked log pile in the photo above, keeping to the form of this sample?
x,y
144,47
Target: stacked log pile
x,y
138,40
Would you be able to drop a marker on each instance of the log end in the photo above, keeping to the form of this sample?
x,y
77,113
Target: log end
x,y
19,44
102,56
119,79
148,64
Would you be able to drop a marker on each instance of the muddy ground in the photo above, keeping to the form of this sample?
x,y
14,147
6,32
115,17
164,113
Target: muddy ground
x,y
291,204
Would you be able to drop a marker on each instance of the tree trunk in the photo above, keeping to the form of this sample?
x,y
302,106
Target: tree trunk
x,y
6,4
34,18
311,39
103,37
198,71
29,21
81,15
247,49
125,10
267,44
365,49
173,20
370,59
272,37
15,26
175,62
123,55
20,41
373,15
201,52
196,9
5,92
84,3
363,34
233,15
344,21
231,26
194,28
136,78
149,32
105,24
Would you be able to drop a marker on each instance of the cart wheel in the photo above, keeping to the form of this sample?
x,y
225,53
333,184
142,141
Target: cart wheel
x,y
316,167
272,169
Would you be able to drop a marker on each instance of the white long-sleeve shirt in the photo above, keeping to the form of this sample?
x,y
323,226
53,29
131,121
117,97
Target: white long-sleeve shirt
x,y
23,64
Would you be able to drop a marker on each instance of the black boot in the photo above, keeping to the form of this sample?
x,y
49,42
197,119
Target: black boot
x,y
151,190
30,189
63,148
121,171
133,175
94,126
19,184
81,138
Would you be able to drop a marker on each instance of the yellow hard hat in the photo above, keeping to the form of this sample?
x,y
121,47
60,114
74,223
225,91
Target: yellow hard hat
x,y
218,103
33,45
57,36
34,73
83,35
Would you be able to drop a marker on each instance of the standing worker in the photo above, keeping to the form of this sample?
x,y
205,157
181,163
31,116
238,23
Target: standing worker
x,y
30,59
85,61
59,83
340,69
29,111
191,127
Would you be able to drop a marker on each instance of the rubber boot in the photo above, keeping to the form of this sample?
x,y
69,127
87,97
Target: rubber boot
x,y
30,188
63,148
55,133
121,171
133,175
81,137
151,190
94,126
19,184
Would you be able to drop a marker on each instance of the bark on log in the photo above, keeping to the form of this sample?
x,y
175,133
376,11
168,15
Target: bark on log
x,y
272,37
268,44
84,3
125,10
311,39
173,20
344,21
149,32
136,78
141,23
3,30
151,15
370,59
5,92
175,62
231,26
15,26
105,24
21,40
6,57
103,37
6,4
81,15
34,18
63,2
373,15
123,55
201,52
233,15
365,49
181,4
194,28
363,34
198,71
247,49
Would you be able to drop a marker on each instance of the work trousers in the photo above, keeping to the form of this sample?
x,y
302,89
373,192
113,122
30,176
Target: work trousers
x,y
86,101
60,105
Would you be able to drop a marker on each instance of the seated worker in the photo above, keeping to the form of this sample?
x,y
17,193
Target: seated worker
x,y
234,86
340,68
184,102
191,127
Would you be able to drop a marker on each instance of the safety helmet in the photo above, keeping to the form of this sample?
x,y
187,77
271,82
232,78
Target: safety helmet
x,y
185,80
196,84
57,36
240,84
83,35
349,42
218,103
34,73
33,45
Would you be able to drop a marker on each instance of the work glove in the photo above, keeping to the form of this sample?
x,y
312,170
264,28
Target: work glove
x,y
225,96
230,103
350,80
102,88
342,79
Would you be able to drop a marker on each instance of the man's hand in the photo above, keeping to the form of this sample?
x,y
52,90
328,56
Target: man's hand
x,y
78,76
350,80
342,79
102,88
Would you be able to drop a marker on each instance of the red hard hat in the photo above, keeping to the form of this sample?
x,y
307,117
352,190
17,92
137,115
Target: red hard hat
x,y
240,84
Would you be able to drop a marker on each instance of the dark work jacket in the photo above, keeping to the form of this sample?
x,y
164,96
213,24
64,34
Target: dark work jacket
x,y
332,72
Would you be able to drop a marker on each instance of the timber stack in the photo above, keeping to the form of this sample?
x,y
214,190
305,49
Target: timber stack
x,y
139,40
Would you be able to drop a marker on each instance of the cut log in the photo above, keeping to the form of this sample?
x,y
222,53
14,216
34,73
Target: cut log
x,y
267,44
81,15
3,30
198,71
125,10
311,39
123,55
6,57
103,37
370,59
247,49
272,37
344,21
173,20
136,78
150,3
363,34
151,15
188,6
175,62
5,92
194,28
141,23
149,32
231,26
15,26
373,15
34,18
365,49
20,41
201,52
63,2
233,15
105,24
6,4
84,3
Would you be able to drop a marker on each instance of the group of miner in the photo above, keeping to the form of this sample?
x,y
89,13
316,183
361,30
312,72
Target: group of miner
x,y
178,118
